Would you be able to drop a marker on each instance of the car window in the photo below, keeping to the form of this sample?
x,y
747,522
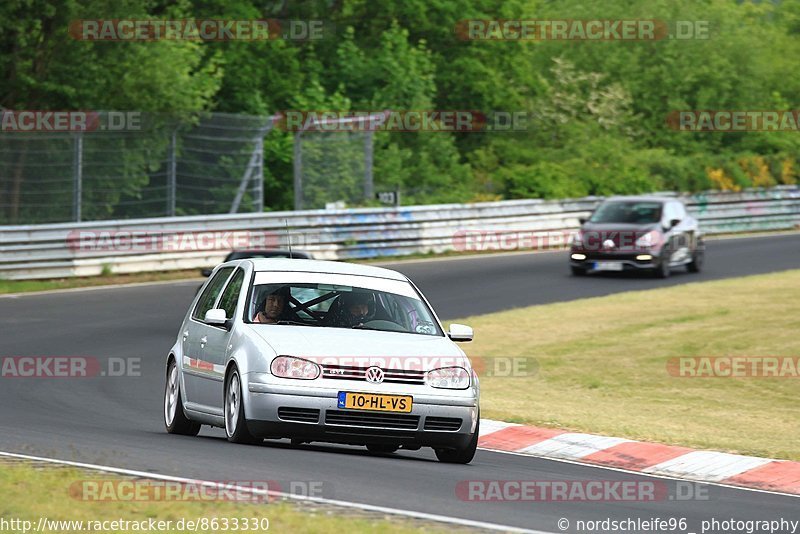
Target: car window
x,y
339,306
231,294
629,212
210,294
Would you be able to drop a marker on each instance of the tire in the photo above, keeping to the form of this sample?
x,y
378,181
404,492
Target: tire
x,y
698,256
175,419
662,270
460,456
381,448
577,271
235,421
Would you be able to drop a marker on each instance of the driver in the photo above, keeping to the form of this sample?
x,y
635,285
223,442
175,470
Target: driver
x,y
274,306
355,309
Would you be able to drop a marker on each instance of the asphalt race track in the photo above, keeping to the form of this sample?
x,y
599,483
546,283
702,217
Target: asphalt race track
x,y
119,422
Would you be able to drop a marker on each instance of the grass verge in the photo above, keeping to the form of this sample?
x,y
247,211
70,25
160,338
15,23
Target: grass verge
x,y
30,286
602,365
31,492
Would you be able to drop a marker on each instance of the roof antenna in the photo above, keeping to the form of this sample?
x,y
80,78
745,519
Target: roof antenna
x,y
288,238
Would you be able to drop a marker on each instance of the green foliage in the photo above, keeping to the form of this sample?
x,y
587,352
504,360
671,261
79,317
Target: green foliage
x,y
597,109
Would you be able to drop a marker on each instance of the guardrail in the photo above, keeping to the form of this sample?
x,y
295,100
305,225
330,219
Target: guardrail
x,y
91,248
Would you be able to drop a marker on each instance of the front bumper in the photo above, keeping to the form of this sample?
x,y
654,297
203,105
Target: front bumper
x,y
287,411
628,259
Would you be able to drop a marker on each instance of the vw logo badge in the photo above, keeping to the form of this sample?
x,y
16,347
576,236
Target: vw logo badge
x,y
374,375
608,243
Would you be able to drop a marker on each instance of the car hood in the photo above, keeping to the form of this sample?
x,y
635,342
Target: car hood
x,y
342,346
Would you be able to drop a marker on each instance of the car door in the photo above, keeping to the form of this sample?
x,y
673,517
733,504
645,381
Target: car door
x,y
214,351
196,371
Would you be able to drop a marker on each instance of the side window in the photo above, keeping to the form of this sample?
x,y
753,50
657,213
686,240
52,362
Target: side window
x,y
231,294
210,294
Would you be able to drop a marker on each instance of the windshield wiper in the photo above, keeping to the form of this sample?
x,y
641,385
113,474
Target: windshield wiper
x,y
295,323
363,327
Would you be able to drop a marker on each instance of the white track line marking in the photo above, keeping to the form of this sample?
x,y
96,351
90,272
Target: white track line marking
x,y
277,494
711,465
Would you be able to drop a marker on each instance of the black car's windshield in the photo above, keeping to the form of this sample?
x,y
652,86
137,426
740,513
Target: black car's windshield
x,y
337,306
630,212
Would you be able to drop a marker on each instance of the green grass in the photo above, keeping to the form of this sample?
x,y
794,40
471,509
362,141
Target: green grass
x,y
29,286
32,492
603,365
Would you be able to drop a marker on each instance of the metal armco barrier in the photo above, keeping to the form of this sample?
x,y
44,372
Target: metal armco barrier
x,y
141,245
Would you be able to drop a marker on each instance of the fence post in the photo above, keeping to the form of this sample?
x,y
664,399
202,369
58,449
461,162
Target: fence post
x,y
368,183
77,177
298,172
258,181
171,175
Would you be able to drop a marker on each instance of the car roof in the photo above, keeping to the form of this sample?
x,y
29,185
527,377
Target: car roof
x,y
642,198
320,266
270,252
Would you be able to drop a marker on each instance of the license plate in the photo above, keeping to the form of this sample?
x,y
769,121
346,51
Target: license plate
x,y
374,402
608,266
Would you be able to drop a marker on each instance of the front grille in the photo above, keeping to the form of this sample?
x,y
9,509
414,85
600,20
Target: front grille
x,y
447,424
299,415
390,376
372,420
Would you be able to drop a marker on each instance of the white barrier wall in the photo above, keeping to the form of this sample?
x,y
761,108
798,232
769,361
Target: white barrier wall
x,y
140,245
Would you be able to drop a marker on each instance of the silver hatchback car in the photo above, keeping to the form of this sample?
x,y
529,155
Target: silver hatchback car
x,y
322,351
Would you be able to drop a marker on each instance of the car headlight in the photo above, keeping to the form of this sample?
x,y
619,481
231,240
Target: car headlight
x,y
648,240
448,378
291,367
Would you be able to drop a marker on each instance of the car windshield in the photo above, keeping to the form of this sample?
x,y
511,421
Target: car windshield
x,y
631,212
365,307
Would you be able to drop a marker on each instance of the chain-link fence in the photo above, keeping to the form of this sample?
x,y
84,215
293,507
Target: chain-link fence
x,y
333,162
115,165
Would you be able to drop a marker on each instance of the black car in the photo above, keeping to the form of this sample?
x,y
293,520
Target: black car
x,y
643,233
270,253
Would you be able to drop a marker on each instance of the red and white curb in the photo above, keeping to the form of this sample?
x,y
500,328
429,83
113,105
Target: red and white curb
x,y
651,458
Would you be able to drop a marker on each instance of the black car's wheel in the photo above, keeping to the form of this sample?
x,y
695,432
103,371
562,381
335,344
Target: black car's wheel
x,y
235,422
461,456
577,271
698,256
381,448
662,270
174,418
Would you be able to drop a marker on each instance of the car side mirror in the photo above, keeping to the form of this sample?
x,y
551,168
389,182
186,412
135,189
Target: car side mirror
x,y
206,272
460,332
674,222
582,220
216,317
